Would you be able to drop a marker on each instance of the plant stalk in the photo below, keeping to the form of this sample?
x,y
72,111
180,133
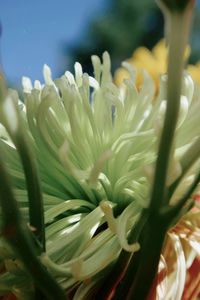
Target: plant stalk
x,y
143,265
20,239
178,29
142,269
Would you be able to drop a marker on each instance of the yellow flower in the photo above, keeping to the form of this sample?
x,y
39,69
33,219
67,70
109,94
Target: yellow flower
x,y
155,64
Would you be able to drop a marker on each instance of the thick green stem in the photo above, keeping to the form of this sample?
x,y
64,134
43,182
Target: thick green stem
x,y
143,265
177,42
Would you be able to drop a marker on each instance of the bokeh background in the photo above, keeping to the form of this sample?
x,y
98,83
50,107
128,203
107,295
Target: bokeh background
x,y
64,31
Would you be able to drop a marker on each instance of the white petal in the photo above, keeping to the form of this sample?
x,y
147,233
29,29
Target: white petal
x,y
184,106
93,83
47,75
70,77
27,84
78,73
37,85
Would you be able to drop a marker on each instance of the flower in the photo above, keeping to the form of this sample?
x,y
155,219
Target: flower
x,y
155,63
178,275
95,145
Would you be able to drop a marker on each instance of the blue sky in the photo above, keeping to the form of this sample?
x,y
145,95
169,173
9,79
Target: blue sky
x,y
33,32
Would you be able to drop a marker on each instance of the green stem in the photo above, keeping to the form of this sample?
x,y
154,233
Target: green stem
x,y
22,143
36,207
177,43
18,235
143,265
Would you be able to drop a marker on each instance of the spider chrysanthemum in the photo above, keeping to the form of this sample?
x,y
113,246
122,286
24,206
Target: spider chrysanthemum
x,y
95,146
